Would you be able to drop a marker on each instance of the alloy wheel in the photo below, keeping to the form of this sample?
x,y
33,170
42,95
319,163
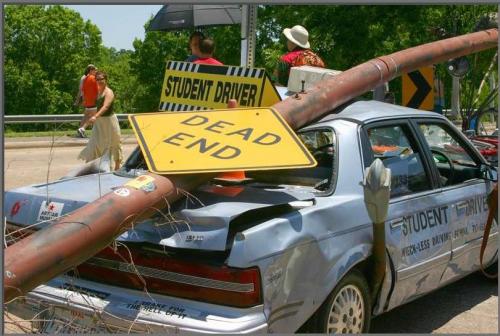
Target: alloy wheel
x,y
347,312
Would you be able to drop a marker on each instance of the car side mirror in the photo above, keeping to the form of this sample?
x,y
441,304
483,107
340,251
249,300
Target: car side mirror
x,y
488,172
377,189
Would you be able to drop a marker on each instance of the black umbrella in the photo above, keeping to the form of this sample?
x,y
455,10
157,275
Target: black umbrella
x,y
176,17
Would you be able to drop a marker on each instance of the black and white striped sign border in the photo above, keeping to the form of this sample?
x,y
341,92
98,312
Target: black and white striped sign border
x,y
167,106
227,70
183,66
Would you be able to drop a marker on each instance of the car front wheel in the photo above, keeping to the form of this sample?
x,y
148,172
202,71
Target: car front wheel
x,y
347,310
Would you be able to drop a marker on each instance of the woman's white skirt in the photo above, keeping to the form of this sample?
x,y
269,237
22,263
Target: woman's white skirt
x,y
105,136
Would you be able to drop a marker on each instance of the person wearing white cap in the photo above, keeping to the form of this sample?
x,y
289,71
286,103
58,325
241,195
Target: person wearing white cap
x,y
299,53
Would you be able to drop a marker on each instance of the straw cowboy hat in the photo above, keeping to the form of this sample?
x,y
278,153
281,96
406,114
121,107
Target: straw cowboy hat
x,y
298,35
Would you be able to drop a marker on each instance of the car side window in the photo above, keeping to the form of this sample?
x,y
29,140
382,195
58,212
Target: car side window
x,y
392,145
450,156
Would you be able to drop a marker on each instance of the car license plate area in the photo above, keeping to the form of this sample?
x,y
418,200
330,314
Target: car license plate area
x,y
69,321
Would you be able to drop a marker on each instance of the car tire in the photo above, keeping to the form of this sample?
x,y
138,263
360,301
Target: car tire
x,y
492,270
347,310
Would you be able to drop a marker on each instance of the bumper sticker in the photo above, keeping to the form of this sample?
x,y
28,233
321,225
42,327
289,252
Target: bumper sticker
x,y
123,192
50,211
143,182
16,207
157,308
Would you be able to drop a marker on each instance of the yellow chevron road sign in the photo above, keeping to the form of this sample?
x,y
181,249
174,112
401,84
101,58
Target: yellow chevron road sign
x,y
418,89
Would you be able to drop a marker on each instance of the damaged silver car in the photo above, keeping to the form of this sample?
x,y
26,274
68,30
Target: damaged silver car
x,y
281,251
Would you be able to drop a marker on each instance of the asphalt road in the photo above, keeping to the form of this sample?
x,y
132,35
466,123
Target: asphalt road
x,y
468,306
24,166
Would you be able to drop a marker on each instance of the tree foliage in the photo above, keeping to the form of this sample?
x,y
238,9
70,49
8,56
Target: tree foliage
x,y
47,48
121,78
150,56
148,63
345,36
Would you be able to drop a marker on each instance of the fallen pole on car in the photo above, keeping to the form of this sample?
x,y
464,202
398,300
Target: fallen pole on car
x,y
80,235
335,91
75,238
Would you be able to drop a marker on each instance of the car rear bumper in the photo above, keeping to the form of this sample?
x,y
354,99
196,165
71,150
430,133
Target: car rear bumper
x,y
68,305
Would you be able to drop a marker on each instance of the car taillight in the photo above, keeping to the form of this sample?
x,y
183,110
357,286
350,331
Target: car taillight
x,y
135,268
165,275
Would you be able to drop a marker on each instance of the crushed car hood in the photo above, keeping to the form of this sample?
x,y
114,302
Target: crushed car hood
x,y
201,220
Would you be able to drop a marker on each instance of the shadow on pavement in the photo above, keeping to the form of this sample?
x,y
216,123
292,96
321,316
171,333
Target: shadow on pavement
x,y
434,310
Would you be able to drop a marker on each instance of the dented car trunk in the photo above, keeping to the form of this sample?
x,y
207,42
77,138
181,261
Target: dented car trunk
x,y
172,252
205,220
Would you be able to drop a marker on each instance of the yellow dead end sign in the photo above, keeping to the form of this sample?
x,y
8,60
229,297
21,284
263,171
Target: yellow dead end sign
x,y
218,141
190,86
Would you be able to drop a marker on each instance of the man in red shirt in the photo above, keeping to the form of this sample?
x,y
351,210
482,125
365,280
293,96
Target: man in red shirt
x,y
89,93
207,48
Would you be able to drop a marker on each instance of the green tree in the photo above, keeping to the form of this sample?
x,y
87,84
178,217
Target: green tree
x,y
227,40
46,49
457,20
148,64
122,79
345,36
150,56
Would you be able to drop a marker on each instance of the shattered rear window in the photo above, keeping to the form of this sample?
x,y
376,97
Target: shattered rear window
x,y
321,143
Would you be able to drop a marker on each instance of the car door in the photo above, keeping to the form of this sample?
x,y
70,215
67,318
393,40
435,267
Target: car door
x,y
463,190
416,214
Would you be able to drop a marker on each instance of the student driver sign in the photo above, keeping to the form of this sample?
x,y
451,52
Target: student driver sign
x,y
189,86
218,140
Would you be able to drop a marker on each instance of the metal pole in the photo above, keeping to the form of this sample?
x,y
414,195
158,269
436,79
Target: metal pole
x,y
248,33
77,237
244,35
376,190
379,92
455,97
251,34
492,83
333,92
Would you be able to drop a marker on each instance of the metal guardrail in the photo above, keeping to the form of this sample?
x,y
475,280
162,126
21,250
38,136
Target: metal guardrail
x,y
52,118
62,118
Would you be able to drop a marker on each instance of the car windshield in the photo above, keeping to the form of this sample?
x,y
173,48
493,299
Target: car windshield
x,y
320,143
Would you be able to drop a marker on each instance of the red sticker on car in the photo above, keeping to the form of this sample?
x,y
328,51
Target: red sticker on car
x,y
16,207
